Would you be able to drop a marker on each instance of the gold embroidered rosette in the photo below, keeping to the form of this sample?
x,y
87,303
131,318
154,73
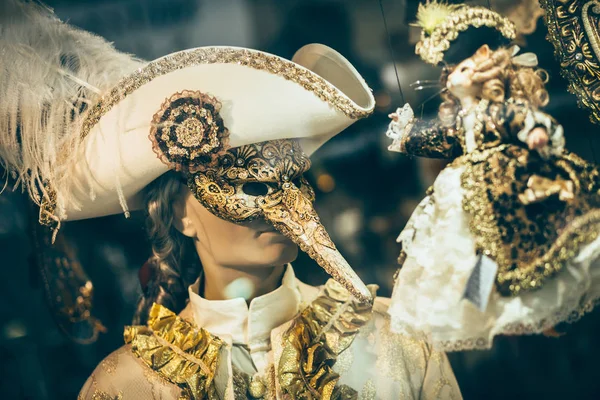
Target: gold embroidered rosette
x,y
188,133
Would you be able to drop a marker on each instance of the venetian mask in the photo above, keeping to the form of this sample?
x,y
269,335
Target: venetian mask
x,y
265,180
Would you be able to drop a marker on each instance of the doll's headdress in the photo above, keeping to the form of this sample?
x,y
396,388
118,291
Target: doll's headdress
x,y
451,33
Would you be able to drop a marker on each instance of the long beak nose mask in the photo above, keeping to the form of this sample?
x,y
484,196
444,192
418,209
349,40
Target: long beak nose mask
x,y
265,180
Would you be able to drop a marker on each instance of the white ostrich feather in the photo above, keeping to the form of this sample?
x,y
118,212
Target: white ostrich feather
x,y
50,75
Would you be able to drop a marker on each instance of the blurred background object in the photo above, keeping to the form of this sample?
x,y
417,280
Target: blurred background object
x,y
364,193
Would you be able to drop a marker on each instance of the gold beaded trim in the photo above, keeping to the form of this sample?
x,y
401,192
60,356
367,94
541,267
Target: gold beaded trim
x,y
211,55
431,48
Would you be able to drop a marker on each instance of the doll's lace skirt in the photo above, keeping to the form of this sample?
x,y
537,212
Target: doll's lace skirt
x,y
428,293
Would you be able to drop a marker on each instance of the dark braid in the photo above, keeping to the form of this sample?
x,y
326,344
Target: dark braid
x,y
174,261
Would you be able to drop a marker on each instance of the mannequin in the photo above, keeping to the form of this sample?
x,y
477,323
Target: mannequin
x,y
197,258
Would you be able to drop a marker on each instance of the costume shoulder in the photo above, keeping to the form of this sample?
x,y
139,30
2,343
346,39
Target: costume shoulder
x,y
390,364
121,375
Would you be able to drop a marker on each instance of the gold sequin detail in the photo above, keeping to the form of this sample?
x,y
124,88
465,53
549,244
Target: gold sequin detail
x,y
109,364
432,46
344,361
215,55
101,395
368,391
399,355
530,241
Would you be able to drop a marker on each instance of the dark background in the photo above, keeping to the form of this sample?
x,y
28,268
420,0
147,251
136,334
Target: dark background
x,y
364,193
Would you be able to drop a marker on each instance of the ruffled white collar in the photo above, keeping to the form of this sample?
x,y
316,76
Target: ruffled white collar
x,y
250,325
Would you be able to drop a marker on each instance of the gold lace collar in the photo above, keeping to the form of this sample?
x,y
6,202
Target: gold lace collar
x,y
178,351
187,355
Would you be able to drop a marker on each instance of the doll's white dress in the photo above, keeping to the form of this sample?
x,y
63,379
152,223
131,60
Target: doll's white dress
x,y
440,254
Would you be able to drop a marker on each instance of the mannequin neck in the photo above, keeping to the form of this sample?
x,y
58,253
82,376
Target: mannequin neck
x,y
218,279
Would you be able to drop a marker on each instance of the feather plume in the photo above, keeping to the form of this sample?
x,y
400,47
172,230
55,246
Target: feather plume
x,y
432,13
50,75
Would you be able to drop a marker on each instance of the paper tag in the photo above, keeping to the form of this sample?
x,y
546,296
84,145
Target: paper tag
x,y
481,282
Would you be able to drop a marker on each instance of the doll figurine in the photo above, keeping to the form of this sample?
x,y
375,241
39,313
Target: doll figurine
x,y
506,241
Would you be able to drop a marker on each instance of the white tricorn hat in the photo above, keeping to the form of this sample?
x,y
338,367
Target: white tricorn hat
x,y
97,144
262,97
88,144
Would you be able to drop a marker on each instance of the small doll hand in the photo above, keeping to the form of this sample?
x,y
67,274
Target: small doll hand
x,y
400,120
537,139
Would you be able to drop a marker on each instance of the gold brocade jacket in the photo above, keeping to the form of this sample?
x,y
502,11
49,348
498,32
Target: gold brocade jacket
x,y
334,348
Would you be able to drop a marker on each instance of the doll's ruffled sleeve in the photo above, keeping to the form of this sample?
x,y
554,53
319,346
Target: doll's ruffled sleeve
x,y
422,138
522,119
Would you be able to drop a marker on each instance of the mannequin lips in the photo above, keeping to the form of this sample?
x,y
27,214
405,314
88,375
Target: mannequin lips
x,y
292,214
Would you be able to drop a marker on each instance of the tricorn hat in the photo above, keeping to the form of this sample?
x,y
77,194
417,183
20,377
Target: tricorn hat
x,y
89,143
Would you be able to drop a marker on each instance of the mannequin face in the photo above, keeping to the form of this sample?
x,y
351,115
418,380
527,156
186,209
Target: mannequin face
x,y
251,244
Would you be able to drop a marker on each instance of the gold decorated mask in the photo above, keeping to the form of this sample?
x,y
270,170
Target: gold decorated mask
x,y
265,180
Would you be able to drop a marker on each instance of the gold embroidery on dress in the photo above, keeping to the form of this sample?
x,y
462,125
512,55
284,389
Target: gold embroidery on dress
x,y
345,361
438,361
109,364
529,214
532,242
399,355
317,337
100,395
368,391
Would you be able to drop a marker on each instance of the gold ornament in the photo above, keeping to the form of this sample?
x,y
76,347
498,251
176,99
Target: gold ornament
x,y
187,133
573,30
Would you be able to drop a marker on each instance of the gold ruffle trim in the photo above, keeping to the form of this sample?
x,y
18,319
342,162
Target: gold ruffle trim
x,y
177,350
187,356
318,335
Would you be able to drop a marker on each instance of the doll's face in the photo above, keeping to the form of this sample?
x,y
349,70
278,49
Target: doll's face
x,y
460,82
250,244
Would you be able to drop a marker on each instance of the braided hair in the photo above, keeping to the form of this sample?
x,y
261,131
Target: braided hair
x,y
174,262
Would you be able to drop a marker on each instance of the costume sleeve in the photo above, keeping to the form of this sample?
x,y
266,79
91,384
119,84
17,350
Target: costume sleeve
x,y
521,119
122,376
439,381
425,139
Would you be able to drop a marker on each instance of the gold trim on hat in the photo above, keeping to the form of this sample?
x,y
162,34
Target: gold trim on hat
x,y
432,46
211,55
